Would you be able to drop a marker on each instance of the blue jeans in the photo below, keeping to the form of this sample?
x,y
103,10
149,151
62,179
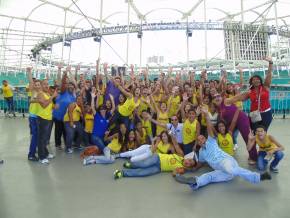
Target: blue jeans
x,y
98,142
187,148
224,171
266,120
10,105
147,167
87,138
70,133
262,162
43,127
33,134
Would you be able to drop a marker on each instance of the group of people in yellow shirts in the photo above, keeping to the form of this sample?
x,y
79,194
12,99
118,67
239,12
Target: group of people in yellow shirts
x,y
158,125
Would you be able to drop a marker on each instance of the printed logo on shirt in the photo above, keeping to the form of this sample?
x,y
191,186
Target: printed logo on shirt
x,y
172,161
225,142
188,131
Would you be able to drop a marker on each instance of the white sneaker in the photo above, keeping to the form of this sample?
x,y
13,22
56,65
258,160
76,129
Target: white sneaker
x,y
88,161
69,151
50,156
44,161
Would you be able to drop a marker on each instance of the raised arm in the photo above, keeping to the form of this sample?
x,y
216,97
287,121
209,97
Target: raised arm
x,y
113,103
268,79
156,122
29,75
240,97
208,122
124,92
93,94
176,148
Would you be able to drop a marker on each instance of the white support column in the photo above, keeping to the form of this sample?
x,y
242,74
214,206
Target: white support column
x,y
242,14
68,62
140,55
50,56
4,49
187,47
22,47
233,48
101,28
128,33
205,30
63,35
278,38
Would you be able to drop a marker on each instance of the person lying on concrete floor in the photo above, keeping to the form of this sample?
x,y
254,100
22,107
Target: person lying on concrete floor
x,y
225,166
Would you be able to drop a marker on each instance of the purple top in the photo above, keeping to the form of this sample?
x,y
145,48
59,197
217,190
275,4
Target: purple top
x,y
227,113
113,90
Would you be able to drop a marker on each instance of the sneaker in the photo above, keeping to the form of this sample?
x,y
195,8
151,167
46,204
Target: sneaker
x,y
251,162
88,161
127,164
44,161
33,158
274,170
80,148
185,180
50,156
1,161
118,174
265,176
69,151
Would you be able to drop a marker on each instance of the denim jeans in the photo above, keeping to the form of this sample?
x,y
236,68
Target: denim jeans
x,y
87,138
267,118
224,171
107,158
33,135
10,105
187,148
262,162
58,132
117,119
98,142
43,127
70,133
138,154
147,167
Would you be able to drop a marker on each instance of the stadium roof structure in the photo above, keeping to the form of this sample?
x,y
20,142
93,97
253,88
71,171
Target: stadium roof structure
x,y
29,28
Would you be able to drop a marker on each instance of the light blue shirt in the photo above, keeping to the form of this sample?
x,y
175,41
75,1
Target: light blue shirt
x,y
211,153
177,132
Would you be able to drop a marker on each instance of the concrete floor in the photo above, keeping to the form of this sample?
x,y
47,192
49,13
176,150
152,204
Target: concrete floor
x,y
66,189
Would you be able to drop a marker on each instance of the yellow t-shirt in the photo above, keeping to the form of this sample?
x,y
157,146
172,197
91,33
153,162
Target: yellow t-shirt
x,y
89,123
226,143
29,93
131,145
147,126
189,131
175,101
76,114
162,148
128,107
45,113
142,106
34,107
162,118
203,119
115,146
268,145
194,99
169,162
143,137
7,91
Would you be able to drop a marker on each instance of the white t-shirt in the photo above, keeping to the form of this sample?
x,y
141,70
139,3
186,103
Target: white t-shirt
x,y
177,132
